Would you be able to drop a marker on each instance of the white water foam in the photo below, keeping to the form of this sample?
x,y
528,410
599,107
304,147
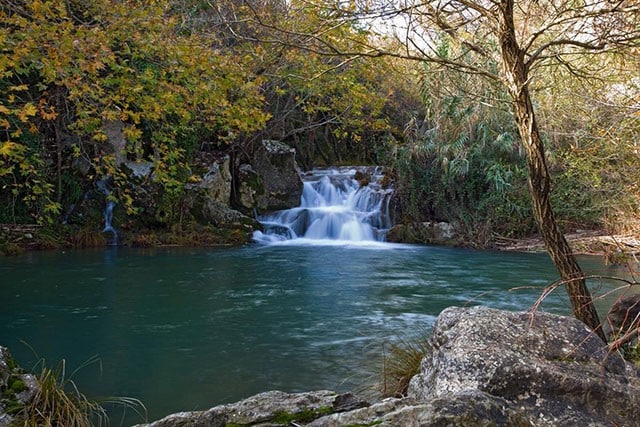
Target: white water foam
x,y
335,209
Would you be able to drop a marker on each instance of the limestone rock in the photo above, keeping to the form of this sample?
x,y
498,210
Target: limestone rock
x,y
141,169
16,387
271,408
216,183
209,200
624,318
272,182
249,186
469,409
552,369
435,233
114,130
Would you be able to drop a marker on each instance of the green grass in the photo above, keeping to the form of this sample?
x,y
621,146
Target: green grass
x,y
401,361
58,401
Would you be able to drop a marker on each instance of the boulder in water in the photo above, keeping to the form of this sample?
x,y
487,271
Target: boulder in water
x,y
434,233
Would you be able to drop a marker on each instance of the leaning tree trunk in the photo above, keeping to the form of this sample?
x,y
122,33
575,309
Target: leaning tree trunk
x,y
515,73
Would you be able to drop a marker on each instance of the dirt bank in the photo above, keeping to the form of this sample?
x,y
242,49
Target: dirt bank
x,y
615,248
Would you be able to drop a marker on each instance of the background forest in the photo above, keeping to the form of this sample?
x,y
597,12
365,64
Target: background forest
x,y
187,81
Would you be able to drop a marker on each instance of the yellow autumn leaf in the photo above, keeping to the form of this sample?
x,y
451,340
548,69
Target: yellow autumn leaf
x,y
29,110
4,110
8,147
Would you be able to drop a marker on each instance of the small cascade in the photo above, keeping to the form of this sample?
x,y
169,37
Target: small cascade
x,y
107,214
334,206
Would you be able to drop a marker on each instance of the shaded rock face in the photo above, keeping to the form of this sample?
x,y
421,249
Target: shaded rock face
x,y
624,319
487,368
208,201
114,129
435,233
272,181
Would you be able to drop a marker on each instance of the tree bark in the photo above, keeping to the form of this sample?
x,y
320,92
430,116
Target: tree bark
x,y
515,74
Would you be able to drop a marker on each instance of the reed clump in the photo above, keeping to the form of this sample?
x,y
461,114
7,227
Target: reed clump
x,y
401,362
57,401
88,237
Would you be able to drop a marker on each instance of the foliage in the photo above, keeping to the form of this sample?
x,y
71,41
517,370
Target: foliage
x,y
331,108
88,86
9,248
632,354
592,127
461,162
88,237
109,83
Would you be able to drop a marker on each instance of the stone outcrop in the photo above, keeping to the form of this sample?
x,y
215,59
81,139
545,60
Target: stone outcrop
x,y
551,369
487,368
16,388
433,233
208,201
273,408
271,181
623,319
114,130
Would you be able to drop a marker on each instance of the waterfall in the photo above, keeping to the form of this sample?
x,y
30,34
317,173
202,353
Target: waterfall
x,y
107,214
334,206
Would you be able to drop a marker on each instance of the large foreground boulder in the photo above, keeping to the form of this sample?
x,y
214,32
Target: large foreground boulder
x,y
487,368
551,369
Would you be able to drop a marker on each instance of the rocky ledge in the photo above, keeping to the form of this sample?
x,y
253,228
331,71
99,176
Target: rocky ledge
x,y
487,368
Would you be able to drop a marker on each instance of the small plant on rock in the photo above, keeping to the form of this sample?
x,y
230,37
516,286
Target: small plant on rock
x,y
401,361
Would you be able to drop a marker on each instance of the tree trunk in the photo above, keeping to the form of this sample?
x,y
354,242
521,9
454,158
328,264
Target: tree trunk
x,y
515,74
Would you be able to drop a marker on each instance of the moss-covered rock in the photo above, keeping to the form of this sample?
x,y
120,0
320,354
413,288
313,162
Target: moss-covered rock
x,y
434,233
17,388
273,408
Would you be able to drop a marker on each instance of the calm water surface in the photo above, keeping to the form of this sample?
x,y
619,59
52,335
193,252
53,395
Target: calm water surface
x,y
186,329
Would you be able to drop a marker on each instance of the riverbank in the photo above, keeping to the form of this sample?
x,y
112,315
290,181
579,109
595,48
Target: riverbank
x,y
19,238
615,249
